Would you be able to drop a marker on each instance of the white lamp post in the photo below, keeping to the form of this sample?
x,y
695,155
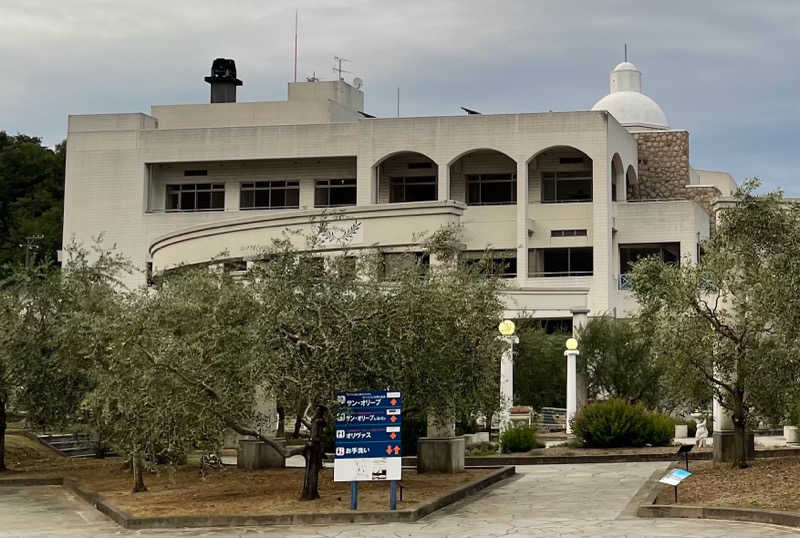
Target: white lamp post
x,y
572,378
507,329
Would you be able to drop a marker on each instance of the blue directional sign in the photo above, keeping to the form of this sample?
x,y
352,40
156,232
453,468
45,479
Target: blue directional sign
x,y
368,437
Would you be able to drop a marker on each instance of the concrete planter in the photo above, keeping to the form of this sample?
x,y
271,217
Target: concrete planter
x,y
254,454
791,434
470,439
440,455
681,431
482,437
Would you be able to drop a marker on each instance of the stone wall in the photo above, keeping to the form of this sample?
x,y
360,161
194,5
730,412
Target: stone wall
x,y
663,165
664,170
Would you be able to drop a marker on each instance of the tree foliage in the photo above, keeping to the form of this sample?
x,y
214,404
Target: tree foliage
x,y
619,362
727,325
47,320
540,370
31,200
173,365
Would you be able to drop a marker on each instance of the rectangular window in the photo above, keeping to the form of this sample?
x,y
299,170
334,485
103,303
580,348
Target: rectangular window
x,y
500,263
335,192
567,233
555,262
567,186
396,263
412,189
630,254
491,189
196,197
270,195
234,266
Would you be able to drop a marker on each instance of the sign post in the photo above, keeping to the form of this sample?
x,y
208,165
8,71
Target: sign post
x,y
368,441
673,478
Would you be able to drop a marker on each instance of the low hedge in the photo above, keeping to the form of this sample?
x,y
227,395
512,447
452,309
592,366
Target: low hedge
x,y
617,423
518,439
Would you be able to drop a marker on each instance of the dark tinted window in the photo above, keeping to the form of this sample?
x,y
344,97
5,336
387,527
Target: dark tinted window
x,y
270,195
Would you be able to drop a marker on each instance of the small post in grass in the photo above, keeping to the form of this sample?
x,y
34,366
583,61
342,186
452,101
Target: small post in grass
x,y
393,495
354,495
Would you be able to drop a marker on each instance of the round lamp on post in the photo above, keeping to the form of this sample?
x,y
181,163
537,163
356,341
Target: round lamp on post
x,y
572,378
507,329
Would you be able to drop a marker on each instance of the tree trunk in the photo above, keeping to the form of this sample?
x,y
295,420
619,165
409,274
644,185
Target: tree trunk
x,y
740,429
138,478
313,456
281,422
3,420
297,423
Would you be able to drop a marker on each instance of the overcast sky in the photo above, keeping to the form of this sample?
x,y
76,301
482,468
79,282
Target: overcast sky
x,y
727,71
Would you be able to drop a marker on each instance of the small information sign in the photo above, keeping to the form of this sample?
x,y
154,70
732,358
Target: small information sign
x,y
675,477
367,436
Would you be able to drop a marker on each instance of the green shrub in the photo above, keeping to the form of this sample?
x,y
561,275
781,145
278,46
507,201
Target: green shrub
x,y
481,449
518,439
794,418
616,423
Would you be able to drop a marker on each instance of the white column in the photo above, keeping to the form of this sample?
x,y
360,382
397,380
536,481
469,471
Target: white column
x,y
723,419
366,183
580,317
507,381
522,222
443,182
572,387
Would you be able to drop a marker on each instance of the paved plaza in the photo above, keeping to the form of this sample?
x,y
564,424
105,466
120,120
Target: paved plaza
x,y
542,500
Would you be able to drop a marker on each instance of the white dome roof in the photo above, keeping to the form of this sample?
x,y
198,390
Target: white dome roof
x,y
627,103
625,66
633,109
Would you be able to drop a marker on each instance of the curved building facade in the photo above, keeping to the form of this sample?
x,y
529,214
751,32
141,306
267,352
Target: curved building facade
x,y
567,199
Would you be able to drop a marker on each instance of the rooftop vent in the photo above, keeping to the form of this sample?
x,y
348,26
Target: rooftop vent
x,y
223,81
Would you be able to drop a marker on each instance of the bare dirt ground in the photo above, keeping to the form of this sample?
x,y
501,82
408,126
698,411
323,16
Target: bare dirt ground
x,y
768,484
226,491
231,491
24,455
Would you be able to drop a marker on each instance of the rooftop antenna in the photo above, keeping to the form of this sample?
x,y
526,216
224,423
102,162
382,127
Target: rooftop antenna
x,y
338,68
295,45
398,102
626,52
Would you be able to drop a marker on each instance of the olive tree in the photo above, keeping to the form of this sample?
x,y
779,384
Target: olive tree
x,y
618,361
189,357
327,327
177,370
727,325
42,311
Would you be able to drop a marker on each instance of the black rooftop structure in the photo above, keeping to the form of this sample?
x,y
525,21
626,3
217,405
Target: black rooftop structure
x,y
223,81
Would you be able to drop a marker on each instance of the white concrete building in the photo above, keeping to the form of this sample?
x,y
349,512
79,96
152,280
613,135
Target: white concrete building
x,y
567,199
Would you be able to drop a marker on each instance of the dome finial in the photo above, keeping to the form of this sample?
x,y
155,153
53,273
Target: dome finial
x,y
626,52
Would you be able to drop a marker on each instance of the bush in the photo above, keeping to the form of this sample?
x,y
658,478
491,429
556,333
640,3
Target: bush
x,y
518,439
481,449
616,423
794,418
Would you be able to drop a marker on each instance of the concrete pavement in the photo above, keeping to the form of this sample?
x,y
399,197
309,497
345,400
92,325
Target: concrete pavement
x,y
543,500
